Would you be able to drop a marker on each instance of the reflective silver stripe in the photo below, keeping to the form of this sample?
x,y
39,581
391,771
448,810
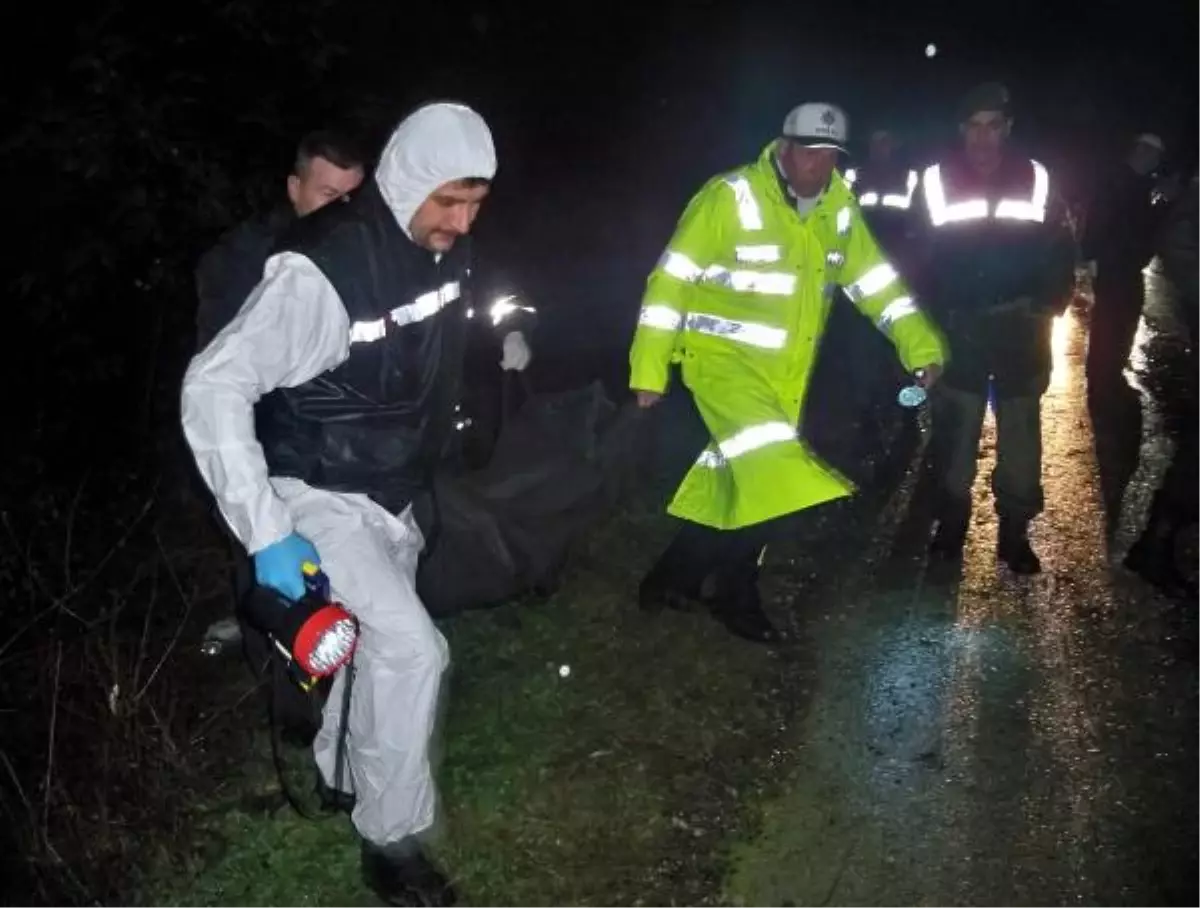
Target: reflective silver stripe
x,y
974,209
757,254
750,333
935,197
843,221
850,176
745,441
895,200
869,199
656,315
679,265
1035,208
747,205
875,280
503,308
897,309
835,259
366,332
426,304
772,283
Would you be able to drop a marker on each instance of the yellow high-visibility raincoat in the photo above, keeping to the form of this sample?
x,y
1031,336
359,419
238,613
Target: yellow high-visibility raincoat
x,y
740,299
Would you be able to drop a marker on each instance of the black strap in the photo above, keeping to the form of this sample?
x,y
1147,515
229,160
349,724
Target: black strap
x,y
280,677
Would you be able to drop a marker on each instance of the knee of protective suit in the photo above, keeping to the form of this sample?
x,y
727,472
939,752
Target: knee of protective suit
x,y
404,641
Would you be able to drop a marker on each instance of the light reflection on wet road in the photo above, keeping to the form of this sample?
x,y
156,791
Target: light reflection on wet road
x,y
992,739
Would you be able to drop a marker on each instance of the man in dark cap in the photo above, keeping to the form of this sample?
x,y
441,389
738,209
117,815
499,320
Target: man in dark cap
x,y
998,267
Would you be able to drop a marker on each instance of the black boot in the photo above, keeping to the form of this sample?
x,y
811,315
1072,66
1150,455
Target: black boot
x,y
954,518
1013,548
1152,557
400,874
738,603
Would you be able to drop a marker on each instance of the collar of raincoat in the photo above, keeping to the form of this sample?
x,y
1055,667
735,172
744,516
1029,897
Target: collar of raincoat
x,y
432,146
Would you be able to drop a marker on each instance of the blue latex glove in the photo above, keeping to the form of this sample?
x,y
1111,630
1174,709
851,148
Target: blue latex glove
x,y
279,565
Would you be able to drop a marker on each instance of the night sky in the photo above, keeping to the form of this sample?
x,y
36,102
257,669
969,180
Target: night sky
x,y
144,129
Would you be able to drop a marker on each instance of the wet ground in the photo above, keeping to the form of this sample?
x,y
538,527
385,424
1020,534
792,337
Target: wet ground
x,y
985,738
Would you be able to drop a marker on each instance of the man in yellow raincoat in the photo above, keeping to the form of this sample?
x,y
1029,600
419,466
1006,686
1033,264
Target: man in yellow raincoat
x,y
739,300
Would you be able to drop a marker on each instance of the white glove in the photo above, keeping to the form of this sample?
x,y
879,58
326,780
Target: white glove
x,y
516,352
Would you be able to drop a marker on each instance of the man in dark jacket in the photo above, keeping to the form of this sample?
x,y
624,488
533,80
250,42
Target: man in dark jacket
x,y
1156,555
328,166
1119,241
998,265
885,188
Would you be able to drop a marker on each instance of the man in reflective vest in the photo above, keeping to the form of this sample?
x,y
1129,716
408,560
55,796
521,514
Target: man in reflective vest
x,y
885,188
998,265
739,299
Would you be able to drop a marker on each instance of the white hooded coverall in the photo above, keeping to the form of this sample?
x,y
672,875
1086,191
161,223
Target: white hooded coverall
x,y
291,329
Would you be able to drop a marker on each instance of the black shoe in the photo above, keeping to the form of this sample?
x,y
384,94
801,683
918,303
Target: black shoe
x,y
400,874
950,538
953,521
332,800
1152,558
743,616
1013,548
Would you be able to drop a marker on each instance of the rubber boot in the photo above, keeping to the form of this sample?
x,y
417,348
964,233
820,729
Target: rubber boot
x,y
1013,548
400,874
738,603
954,519
1152,557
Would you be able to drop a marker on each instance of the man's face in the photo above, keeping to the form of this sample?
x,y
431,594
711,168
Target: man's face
x,y
1145,159
807,169
984,134
319,182
447,214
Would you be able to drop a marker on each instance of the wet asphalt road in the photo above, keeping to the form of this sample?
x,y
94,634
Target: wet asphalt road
x,y
990,739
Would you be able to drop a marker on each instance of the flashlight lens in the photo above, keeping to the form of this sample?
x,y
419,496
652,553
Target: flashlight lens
x,y
333,648
326,641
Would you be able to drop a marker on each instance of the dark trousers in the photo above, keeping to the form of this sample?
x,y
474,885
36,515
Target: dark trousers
x,y
1120,295
729,557
1017,479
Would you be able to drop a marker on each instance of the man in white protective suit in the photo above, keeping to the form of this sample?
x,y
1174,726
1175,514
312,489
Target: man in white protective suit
x,y
317,415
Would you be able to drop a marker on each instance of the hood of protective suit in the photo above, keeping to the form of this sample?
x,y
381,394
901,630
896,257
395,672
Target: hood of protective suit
x,y
434,145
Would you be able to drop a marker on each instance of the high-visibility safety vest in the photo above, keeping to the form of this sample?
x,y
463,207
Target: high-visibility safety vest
x,y
1025,203
893,189
996,253
739,299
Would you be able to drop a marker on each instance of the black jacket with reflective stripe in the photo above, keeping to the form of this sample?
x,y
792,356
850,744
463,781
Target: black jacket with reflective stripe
x,y
376,423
